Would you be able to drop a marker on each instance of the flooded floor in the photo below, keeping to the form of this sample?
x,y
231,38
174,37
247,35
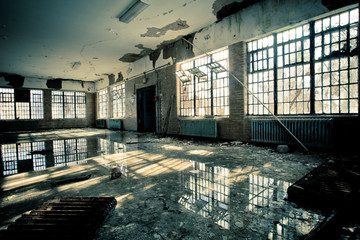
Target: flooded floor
x,y
170,188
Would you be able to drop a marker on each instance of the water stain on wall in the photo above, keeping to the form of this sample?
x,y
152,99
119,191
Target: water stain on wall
x,y
157,32
178,49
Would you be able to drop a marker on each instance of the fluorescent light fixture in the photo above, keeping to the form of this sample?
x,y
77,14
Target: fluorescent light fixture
x,y
216,67
132,10
197,72
184,78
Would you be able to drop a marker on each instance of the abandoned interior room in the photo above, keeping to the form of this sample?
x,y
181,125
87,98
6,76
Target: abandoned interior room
x,y
186,119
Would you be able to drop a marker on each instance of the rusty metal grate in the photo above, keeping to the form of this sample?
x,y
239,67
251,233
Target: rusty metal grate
x,y
328,187
63,218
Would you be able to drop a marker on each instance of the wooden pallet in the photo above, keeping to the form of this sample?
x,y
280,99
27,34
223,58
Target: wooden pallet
x,y
64,218
328,187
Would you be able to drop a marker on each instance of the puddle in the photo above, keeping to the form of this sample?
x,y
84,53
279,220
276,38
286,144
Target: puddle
x,y
29,154
260,209
170,188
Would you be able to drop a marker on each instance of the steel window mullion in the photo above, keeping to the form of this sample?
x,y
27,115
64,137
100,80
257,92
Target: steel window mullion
x,y
358,41
312,68
275,76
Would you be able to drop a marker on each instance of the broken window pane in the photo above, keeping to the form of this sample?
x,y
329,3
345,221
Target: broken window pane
x,y
103,103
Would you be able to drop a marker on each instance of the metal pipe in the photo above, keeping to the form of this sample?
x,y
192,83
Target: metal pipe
x,y
149,71
244,85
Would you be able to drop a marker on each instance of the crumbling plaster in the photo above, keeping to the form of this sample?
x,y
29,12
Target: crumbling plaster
x,y
67,84
261,18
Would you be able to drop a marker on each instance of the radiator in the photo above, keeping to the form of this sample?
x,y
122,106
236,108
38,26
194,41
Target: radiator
x,y
115,124
199,128
311,132
100,123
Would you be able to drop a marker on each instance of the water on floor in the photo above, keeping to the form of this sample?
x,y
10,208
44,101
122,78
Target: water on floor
x,y
169,188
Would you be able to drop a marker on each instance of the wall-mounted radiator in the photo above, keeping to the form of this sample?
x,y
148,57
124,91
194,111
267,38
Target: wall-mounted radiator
x,y
311,132
100,123
199,128
115,124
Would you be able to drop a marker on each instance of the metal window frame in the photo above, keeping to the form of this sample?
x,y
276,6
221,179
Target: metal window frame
x,y
314,45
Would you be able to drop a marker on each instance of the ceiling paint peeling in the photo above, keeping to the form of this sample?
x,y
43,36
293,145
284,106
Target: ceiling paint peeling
x,y
50,38
132,57
75,65
157,32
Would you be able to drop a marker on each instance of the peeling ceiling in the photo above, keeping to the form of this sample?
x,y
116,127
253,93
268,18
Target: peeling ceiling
x,y
84,39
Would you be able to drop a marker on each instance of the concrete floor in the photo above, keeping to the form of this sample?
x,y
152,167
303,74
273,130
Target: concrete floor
x,y
170,188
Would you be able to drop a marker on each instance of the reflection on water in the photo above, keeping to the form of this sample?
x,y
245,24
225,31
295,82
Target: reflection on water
x,y
19,157
69,151
32,156
266,198
207,192
109,147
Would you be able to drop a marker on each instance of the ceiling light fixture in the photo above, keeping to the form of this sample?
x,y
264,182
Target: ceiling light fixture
x,y
132,10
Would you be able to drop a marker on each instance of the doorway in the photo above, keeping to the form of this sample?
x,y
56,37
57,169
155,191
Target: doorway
x,y
146,113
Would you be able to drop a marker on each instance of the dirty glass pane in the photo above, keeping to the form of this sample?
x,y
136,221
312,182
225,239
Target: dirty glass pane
x,y
221,84
80,105
103,103
293,76
7,107
69,104
261,78
22,110
57,105
36,104
338,74
208,94
187,93
118,101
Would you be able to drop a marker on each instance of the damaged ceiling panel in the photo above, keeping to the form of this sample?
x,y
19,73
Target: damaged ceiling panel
x,y
83,39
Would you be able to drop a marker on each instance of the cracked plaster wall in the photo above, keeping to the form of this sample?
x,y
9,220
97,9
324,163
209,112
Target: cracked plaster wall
x,y
38,83
233,31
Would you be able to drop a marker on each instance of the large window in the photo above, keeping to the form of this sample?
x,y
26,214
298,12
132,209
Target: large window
x,y
103,102
118,101
68,105
206,90
21,104
310,69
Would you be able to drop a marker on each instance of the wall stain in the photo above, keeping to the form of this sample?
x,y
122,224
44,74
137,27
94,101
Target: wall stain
x,y
154,56
111,79
157,32
178,49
